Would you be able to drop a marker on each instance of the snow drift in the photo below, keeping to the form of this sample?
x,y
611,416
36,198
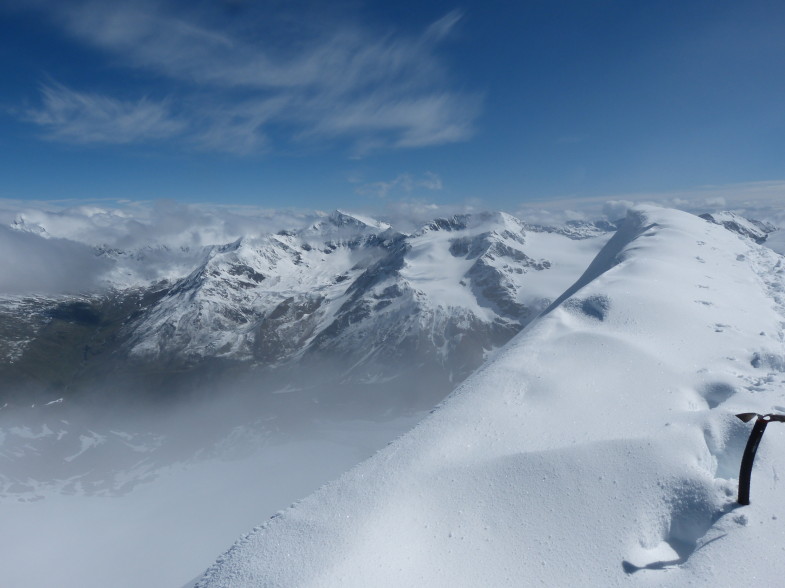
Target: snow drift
x,y
599,447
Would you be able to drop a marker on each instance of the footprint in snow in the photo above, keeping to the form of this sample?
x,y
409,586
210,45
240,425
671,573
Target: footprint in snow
x,y
693,514
715,393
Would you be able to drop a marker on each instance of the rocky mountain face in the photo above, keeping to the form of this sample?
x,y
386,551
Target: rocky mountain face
x,y
347,300
756,230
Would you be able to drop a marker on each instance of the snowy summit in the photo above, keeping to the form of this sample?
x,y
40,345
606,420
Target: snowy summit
x,y
599,447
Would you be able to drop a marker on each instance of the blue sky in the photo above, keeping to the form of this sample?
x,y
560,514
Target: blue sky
x,y
290,103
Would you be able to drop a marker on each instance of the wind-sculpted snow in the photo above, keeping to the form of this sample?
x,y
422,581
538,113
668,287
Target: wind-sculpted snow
x,y
599,447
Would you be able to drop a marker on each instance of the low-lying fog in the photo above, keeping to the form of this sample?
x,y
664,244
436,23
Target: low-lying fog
x,y
141,498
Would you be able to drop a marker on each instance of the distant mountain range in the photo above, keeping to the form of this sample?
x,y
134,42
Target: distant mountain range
x,y
348,301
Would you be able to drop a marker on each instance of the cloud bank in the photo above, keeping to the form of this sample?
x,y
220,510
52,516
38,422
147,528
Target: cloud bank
x,y
52,246
132,225
55,248
756,200
33,265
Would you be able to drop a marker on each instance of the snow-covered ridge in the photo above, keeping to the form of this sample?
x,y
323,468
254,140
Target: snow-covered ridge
x,y
598,447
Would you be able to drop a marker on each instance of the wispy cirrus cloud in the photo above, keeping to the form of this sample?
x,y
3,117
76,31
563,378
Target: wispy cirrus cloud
x,y
234,83
89,118
415,121
339,58
404,183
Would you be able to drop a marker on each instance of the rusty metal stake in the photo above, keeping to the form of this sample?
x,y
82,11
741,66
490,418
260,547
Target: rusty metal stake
x,y
745,473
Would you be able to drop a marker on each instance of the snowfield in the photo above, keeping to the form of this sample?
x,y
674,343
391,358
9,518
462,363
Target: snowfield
x,y
599,447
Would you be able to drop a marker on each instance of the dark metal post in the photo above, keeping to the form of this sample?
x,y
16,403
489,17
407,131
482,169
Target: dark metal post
x,y
745,473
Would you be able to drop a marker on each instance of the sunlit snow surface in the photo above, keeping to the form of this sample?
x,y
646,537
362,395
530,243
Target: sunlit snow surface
x,y
598,448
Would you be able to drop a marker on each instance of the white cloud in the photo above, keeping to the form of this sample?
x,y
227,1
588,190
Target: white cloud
x,y
89,118
757,200
133,225
53,247
339,58
404,183
431,181
238,129
32,264
716,201
396,121
442,27
231,85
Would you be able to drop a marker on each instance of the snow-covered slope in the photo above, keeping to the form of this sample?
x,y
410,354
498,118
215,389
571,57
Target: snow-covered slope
x,y
598,448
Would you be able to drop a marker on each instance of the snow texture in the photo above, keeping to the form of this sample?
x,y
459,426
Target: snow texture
x,y
598,448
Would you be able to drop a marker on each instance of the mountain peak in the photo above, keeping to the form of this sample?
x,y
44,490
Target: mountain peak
x,y
340,218
485,220
756,230
21,224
